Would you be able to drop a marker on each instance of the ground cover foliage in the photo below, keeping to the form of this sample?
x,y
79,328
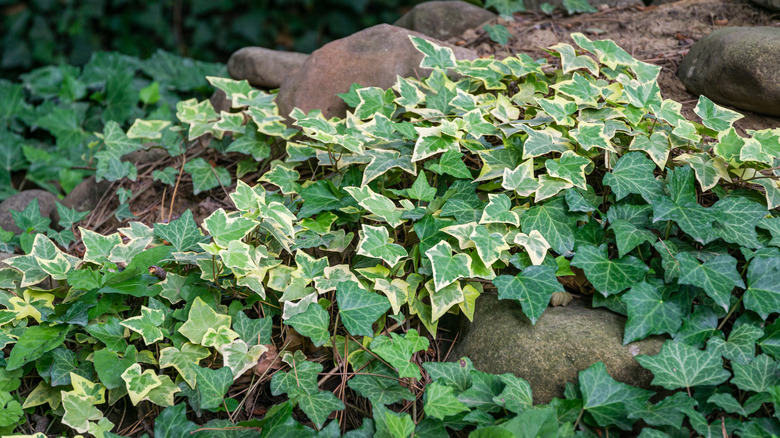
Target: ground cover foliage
x,y
336,270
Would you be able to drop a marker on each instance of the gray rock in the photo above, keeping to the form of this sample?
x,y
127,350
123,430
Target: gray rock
x,y
564,341
264,68
444,19
46,204
371,57
736,66
772,5
86,195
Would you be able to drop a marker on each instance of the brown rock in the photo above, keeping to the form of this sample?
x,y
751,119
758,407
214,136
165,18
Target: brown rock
x,y
86,195
264,68
564,341
444,19
371,57
736,66
47,204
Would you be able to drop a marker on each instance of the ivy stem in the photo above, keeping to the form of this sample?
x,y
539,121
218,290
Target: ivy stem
x,y
733,309
579,417
668,229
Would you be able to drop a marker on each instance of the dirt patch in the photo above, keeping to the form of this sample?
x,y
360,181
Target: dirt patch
x,y
660,35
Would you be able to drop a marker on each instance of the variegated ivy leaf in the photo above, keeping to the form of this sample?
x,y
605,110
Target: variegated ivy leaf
x,y
235,91
45,259
434,140
374,100
32,303
535,245
505,109
729,146
559,109
279,218
686,131
592,135
219,337
445,299
498,210
609,53
94,392
409,94
446,267
383,160
669,111
375,243
521,179
201,318
98,247
494,161
580,89
147,129
163,395
284,176
139,383
715,116
377,204
228,122
433,56
570,61
78,411
489,245
184,360
239,357
657,146
640,94
333,276
224,229
463,233
397,292
570,167
550,186
147,324
542,142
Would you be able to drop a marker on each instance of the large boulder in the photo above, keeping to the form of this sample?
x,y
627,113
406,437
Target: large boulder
x,y
444,19
264,68
736,66
772,5
47,205
371,57
564,341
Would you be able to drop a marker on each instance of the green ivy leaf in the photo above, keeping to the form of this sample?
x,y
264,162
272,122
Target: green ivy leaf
x,y
679,365
212,386
358,308
533,287
392,425
433,55
633,173
628,236
183,233
717,276
375,243
446,267
205,176
606,399
736,220
668,412
758,376
608,276
440,402
649,313
284,176
398,350
109,332
34,342
450,163
763,280
172,422
741,345
313,323
553,220
380,390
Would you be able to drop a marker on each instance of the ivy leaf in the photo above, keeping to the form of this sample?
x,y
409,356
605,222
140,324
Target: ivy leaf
x,y
450,163
183,233
717,276
606,399
384,160
34,342
628,236
446,267
534,244
212,386
763,279
440,402
205,176
633,173
432,141
580,89
714,116
392,425
225,229
570,167
533,287
679,365
420,190
433,55
201,318
374,100
657,146
592,135
609,53
521,179
542,142
147,324
758,376
454,374
284,176
319,405
380,390
185,360
359,309
79,411
560,110
608,276
741,345
139,384
375,243
377,204
692,218
498,210
240,357
398,350
313,323
649,313
736,220
668,412
172,422
553,220
489,245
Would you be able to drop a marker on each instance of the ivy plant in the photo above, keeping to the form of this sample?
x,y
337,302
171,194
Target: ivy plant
x,y
488,176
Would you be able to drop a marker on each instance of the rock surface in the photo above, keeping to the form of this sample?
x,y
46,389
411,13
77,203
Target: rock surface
x,y
444,19
264,68
47,204
86,195
772,5
736,66
564,341
371,57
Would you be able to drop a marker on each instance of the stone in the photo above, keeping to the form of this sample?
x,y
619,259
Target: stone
x,y
772,5
444,19
564,341
264,68
86,195
736,66
371,57
3,257
47,204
